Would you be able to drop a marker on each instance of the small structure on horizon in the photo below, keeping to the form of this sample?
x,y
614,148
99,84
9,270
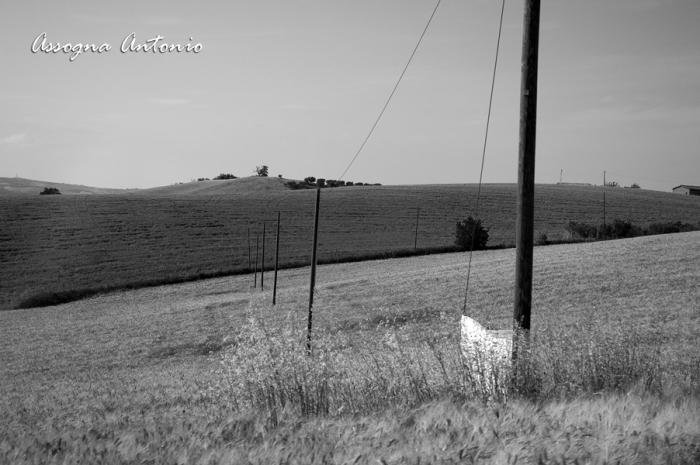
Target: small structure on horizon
x,y
687,190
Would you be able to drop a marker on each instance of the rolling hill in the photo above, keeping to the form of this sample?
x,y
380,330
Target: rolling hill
x,y
75,245
23,187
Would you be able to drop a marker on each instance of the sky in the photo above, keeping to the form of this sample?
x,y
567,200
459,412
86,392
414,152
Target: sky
x,y
297,85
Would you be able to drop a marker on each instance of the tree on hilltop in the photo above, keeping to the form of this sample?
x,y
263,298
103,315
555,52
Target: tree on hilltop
x,y
225,176
261,171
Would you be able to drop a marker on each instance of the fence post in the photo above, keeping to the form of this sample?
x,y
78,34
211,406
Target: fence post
x,y
277,256
262,265
313,271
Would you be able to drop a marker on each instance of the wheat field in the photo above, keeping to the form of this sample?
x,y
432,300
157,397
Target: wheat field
x,y
73,245
153,375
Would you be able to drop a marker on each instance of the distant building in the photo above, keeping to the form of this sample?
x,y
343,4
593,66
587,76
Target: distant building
x,y
687,190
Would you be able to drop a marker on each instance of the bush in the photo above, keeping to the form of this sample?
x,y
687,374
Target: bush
x,y
203,179
621,229
294,185
669,228
349,183
50,191
310,180
583,230
470,233
225,176
320,182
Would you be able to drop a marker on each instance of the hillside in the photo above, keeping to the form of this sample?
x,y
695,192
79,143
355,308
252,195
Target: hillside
x,y
220,187
51,244
22,187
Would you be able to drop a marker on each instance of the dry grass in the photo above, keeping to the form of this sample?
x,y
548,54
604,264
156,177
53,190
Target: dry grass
x,y
73,243
132,377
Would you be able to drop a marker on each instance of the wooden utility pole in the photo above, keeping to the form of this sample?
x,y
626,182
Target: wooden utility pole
x,y
604,186
524,229
257,247
313,270
262,266
248,248
277,256
415,243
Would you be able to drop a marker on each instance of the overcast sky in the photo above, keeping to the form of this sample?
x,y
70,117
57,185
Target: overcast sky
x,y
297,85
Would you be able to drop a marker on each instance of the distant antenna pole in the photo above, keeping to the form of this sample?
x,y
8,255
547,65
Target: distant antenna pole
x,y
313,270
604,186
524,229
561,174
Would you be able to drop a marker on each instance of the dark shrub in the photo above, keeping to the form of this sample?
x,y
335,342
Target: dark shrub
x,y
620,229
294,185
310,180
669,228
584,231
470,232
50,191
225,176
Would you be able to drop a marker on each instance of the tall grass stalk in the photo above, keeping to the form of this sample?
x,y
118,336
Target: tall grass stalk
x,y
267,369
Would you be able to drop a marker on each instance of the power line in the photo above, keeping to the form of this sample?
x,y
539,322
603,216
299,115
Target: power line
x,y
392,92
483,158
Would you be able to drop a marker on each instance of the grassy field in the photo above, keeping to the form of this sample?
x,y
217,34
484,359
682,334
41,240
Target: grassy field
x,y
60,244
210,372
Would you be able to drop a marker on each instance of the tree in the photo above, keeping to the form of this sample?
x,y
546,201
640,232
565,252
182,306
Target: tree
x,y
320,182
470,232
310,180
635,186
225,176
261,171
49,191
